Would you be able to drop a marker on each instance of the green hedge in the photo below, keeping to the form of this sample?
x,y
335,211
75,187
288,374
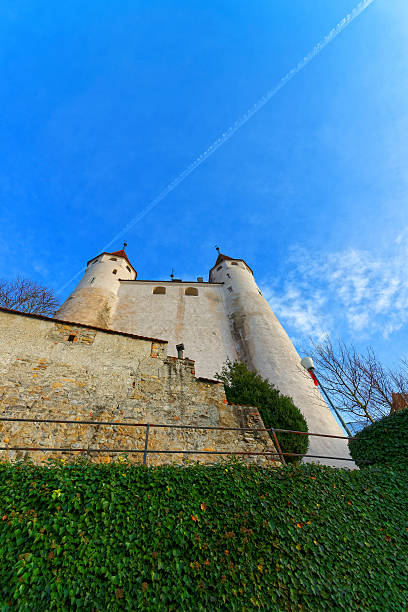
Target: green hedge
x,y
229,537
385,441
242,386
281,413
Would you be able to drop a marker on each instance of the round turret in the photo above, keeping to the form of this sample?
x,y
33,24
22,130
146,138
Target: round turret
x,y
94,300
248,311
262,343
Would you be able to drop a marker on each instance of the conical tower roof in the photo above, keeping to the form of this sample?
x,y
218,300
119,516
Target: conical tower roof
x,y
120,253
222,257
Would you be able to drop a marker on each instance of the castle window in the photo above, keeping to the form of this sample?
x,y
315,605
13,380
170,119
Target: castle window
x,y
127,268
92,280
112,259
219,268
71,338
191,291
114,271
228,275
234,263
159,290
230,289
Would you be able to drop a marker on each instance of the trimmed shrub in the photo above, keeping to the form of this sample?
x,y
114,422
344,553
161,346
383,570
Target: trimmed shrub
x,y
281,413
245,387
249,388
385,441
226,538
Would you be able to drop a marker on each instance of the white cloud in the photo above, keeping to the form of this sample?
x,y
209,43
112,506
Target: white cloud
x,y
303,315
358,320
39,267
364,292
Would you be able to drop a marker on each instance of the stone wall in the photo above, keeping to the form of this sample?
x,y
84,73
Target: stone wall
x,y
51,369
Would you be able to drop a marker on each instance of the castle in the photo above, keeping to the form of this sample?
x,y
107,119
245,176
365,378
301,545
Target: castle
x,y
224,318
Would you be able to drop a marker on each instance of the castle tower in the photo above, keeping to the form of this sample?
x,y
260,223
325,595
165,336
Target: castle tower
x,y
94,300
262,343
226,318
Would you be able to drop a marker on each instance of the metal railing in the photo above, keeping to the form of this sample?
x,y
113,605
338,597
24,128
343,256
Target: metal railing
x,y
148,426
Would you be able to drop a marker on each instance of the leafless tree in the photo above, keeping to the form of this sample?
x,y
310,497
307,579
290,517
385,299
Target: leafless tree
x,y
358,382
27,296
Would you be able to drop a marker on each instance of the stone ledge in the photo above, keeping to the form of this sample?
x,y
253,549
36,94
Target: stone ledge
x,y
82,325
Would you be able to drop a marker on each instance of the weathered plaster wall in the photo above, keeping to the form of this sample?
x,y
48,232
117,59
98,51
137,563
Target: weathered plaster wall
x,y
264,345
199,321
90,306
94,300
51,369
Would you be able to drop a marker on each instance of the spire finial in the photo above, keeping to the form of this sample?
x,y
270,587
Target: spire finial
x,y
124,245
172,274
217,248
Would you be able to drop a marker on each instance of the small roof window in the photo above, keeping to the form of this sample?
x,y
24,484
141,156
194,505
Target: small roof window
x,y
159,290
191,291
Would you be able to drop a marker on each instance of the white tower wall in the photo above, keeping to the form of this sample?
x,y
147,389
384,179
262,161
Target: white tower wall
x,y
262,343
189,313
95,298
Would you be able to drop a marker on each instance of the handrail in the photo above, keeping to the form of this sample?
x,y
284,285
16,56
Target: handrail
x,y
171,425
146,451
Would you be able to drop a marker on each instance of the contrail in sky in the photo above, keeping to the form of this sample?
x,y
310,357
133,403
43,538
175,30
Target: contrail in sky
x,y
334,32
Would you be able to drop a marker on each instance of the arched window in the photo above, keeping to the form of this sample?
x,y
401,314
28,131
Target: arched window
x,y
191,291
159,290
114,271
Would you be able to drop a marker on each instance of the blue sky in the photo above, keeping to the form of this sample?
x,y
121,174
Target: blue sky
x,y
104,104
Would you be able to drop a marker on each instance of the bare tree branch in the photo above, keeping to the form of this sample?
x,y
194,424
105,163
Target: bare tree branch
x,y
359,383
27,296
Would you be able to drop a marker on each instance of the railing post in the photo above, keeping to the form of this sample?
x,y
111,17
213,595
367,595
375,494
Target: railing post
x,y
278,448
146,443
